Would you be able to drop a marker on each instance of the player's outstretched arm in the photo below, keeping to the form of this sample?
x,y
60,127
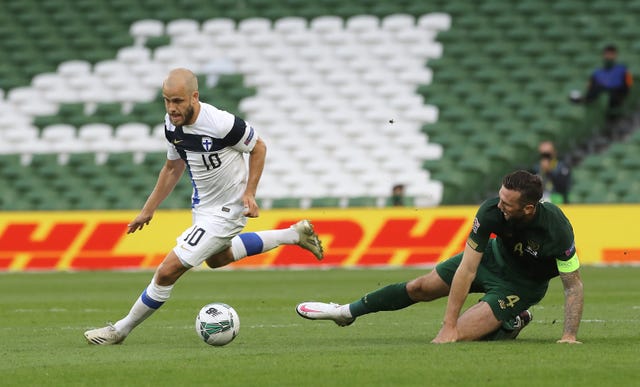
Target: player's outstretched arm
x,y
256,166
460,286
573,305
167,180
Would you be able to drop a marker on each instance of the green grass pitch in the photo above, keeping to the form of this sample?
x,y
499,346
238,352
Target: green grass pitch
x,y
43,316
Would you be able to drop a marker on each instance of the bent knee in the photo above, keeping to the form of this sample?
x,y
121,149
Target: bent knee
x,y
169,270
428,287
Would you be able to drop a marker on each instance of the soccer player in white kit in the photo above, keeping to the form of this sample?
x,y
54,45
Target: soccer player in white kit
x,y
208,143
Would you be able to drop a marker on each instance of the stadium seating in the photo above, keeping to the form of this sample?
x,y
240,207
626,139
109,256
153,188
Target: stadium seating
x,y
444,96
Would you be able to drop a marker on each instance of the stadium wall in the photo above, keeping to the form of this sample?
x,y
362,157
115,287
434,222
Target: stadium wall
x,y
97,240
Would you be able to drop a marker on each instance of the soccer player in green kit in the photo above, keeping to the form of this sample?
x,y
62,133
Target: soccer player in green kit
x,y
534,243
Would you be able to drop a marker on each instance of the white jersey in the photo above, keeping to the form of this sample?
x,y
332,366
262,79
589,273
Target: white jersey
x,y
213,150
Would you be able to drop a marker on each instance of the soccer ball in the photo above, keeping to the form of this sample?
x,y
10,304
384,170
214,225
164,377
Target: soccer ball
x,y
217,324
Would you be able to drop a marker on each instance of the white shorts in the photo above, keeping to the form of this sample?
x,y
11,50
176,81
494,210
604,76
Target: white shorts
x,y
208,235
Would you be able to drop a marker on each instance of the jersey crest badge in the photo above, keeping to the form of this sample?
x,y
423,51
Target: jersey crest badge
x,y
207,143
532,248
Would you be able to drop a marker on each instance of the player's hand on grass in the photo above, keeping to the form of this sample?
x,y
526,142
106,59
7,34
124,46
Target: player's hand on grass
x,y
251,209
447,334
568,340
139,222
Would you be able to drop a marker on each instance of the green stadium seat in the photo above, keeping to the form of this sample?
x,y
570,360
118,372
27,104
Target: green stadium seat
x,y
502,89
535,48
501,159
619,151
548,130
530,7
500,48
419,8
635,137
493,9
496,113
407,201
598,163
323,202
9,162
476,168
26,183
454,185
363,201
286,203
524,144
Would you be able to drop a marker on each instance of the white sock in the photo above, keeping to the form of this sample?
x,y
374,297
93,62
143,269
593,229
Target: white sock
x,y
345,311
252,243
149,301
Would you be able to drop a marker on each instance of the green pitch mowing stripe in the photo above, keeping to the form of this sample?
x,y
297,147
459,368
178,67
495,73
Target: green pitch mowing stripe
x,y
43,317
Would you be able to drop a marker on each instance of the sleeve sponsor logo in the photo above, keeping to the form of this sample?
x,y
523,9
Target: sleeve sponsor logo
x,y
571,249
476,225
250,136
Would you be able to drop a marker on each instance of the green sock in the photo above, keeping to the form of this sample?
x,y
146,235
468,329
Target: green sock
x,y
392,297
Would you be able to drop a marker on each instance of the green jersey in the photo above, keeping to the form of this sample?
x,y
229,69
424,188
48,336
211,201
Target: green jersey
x,y
529,249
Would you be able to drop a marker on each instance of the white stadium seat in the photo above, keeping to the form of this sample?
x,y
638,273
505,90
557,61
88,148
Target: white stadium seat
x,y
132,131
48,81
61,96
98,138
19,139
373,38
435,21
137,137
300,39
110,68
182,27
59,138
431,50
168,54
73,68
133,55
398,22
253,26
23,95
362,23
85,82
141,30
413,37
216,26
326,24
336,39
91,133
290,25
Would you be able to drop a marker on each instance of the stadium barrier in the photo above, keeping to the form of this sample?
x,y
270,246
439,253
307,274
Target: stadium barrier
x,y
97,240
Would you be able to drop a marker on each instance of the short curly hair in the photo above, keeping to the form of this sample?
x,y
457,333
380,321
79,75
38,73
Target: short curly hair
x,y
528,184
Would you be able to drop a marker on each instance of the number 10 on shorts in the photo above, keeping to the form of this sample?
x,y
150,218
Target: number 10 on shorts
x,y
194,236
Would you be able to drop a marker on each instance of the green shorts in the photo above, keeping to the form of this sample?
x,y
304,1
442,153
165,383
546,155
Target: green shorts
x,y
507,293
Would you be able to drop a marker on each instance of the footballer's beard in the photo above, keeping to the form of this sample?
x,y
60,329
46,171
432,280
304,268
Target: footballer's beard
x,y
517,217
187,116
